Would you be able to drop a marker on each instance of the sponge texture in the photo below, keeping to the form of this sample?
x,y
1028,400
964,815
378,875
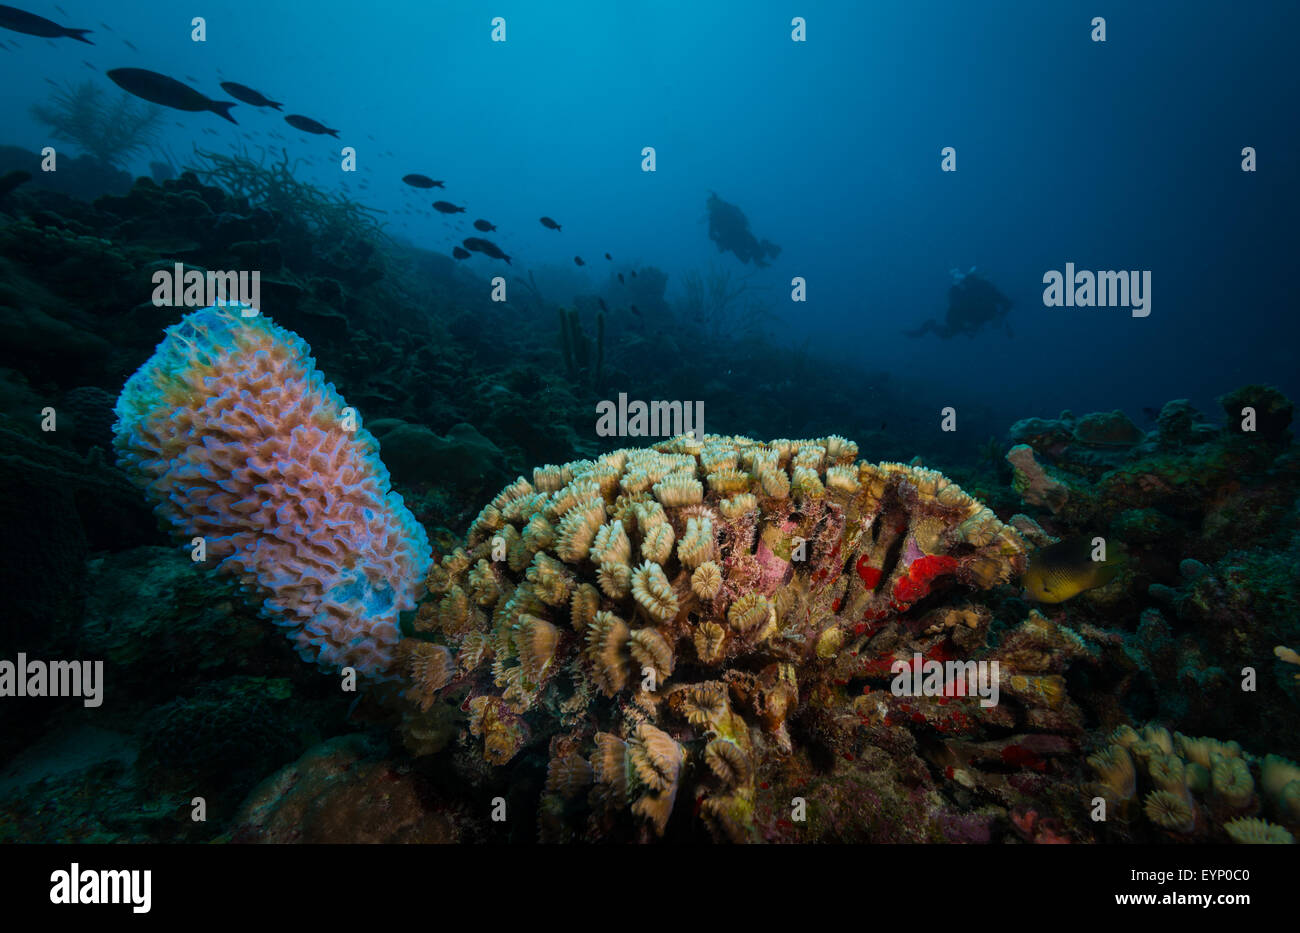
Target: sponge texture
x,y
237,438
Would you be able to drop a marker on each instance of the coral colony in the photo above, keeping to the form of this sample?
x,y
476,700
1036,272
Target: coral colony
x,y
703,585
671,621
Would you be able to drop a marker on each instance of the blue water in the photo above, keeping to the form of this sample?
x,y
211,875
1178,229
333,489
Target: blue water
x,y
1116,155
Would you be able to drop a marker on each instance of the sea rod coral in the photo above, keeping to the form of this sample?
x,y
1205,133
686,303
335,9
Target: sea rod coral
x,y
239,440
667,612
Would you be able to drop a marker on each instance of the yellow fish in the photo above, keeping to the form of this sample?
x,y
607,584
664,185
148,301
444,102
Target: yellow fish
x,y
1063,570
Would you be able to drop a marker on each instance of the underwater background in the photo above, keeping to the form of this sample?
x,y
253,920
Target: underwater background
x,y
801,257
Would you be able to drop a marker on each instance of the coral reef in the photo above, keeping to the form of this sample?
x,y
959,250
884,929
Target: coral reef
x,y
322,228
676,610
1208,520
683,676
239,440
1188,789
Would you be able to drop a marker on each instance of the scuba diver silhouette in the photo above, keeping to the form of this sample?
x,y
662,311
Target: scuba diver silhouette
x,y
974,303
729,228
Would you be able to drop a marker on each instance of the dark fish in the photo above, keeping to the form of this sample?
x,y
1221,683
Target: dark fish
x,y
609,257
484,226
620,279
248,95
460,253
308,125
550,224
12,180
33,25
633,273
487,247
578,260
160,89
446,207
601,302
421,181
1151,414
89,65
106,27
129,45
1063,570
633,309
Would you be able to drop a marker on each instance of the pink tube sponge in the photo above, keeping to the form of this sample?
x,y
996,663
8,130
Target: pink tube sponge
x,y
237,438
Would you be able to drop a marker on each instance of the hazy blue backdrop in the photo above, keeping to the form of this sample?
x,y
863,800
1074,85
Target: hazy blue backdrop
x,y
1117,155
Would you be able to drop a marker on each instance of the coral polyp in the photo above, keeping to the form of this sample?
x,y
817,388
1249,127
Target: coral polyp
x,y
666,611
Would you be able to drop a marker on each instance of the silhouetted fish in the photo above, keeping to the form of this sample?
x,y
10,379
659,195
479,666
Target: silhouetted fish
x,y
160,89
484,226
601,302
248,95
129,45
609,257
578,260
550,224
33,25
487,247
106,27
1150,414
308,125
633,273
620,279
421,181
89,65
633,309
460,253
446,207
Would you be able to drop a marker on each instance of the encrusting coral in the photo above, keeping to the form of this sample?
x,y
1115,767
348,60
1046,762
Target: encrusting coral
x,y
239,440
705,589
